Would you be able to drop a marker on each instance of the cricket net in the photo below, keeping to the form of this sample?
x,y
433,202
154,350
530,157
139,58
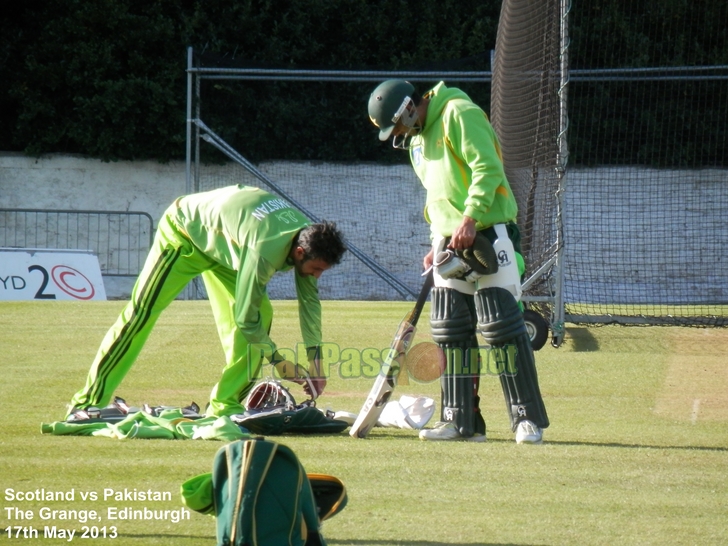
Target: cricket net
x,y
528,105
648,171
633,232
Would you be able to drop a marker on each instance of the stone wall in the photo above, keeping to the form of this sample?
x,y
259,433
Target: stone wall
x,y
647,243
362,208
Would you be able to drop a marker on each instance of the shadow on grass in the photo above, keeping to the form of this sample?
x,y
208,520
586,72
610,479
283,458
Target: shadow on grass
x,y
384,435
637,446
583,340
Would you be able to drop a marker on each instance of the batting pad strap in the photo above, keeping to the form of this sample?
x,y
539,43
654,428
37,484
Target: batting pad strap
x,y
451,316
500,319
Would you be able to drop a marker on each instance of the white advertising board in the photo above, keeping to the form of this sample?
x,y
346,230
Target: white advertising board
x,y
47,274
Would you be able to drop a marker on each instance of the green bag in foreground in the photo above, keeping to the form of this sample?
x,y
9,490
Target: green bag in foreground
x,y
261,495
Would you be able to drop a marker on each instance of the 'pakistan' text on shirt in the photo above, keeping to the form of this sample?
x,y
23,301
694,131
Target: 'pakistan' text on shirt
x,y
270,206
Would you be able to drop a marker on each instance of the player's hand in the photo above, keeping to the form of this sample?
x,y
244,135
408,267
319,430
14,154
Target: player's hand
x,y
312,382
428,259
464,235
314,386
316,379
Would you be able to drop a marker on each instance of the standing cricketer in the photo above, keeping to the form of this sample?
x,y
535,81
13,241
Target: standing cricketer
x,y
475,242
236,238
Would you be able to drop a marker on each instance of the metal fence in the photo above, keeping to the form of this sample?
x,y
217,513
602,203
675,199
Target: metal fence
x,y
120,239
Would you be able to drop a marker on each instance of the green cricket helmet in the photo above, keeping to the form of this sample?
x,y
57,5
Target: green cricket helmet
x,y
391,102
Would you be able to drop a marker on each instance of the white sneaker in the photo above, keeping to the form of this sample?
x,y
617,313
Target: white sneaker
x,y
528,433
448,431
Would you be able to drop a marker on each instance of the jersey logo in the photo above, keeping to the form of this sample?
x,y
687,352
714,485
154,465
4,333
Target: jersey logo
x,y
287,217
417,156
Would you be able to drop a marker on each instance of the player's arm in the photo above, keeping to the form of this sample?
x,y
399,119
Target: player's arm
x,y
473,140
309,315
309,309
253,277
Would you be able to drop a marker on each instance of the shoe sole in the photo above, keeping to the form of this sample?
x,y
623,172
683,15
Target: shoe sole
x,y
530,442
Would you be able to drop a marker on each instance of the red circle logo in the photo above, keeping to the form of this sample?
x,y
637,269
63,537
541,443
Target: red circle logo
x,y
72,282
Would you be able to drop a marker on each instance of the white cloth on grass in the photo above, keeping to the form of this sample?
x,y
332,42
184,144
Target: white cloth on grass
x,y
410,412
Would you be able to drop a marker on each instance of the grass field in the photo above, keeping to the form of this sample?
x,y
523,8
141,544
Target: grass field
x,y
637,451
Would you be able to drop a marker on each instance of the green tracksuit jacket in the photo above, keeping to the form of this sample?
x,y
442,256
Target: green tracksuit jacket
x,y
236,238
458,159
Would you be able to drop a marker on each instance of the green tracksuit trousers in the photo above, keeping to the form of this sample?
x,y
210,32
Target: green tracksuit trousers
x,y
173,261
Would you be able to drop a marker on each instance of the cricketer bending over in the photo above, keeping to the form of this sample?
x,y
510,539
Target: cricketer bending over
x,y
236,238
475,253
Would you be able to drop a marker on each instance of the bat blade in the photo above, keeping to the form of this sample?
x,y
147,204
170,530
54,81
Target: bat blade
x,y
386,381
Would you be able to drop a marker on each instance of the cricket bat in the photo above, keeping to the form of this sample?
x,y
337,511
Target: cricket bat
x,y
387,378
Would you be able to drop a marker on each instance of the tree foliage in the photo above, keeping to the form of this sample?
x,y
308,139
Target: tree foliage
x,y
662,121
107,78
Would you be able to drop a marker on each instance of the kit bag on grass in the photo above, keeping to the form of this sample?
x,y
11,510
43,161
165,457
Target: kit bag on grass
x,y
261,495
271,410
